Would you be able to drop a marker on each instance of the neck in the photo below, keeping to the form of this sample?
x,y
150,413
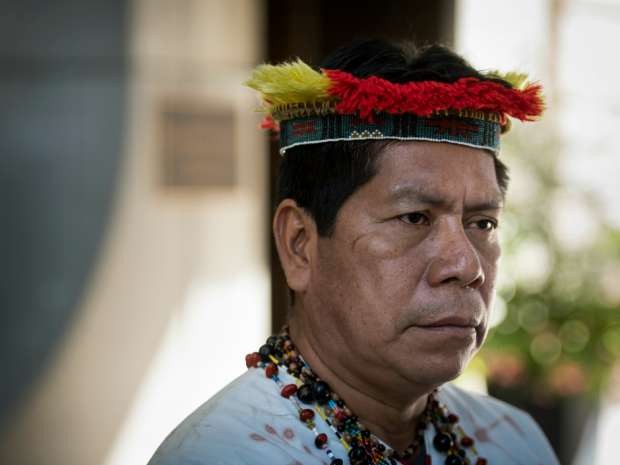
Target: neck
x,y
389,407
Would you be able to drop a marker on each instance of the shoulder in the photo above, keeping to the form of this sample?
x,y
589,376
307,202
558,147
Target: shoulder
x,y
198,434
247,422
498,426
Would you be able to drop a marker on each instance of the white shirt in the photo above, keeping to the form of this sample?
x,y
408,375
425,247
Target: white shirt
x,y
250,423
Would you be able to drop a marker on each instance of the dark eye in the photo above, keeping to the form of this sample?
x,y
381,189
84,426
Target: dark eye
x,y
415,218
485,225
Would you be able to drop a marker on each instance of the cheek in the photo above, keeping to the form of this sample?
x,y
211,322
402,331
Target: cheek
x,y
388,270
364,283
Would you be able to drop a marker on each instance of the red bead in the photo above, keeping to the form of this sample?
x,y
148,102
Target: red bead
x,y
271,370
466,441
320,440
252,360
481,461
306,414
288,390
341,416
452,418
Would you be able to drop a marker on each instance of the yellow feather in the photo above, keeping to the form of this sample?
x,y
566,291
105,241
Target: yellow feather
x,y
292,82
517,80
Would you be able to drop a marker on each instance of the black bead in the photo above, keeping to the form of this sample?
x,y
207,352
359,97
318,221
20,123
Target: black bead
x,y
271,341
265,352
453,460
320,440
278,353
304,394
336,462
340,403
462,453
310,377
321,392
381,447
357,456
442,442
366,433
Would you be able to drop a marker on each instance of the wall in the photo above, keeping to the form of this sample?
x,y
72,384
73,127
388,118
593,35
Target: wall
x,y
181,289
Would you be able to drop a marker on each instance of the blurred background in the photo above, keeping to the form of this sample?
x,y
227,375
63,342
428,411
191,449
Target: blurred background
x,y
137,193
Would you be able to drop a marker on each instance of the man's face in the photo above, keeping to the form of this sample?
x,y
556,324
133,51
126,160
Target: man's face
x,y
405,283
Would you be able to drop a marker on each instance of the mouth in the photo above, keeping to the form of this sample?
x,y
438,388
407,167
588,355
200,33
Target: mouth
x,y
455,327
448,331
463,322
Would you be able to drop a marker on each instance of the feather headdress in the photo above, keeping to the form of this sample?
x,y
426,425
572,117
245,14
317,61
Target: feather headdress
x,y
294,90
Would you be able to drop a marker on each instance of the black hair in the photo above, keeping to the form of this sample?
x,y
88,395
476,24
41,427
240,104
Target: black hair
x,y
320,177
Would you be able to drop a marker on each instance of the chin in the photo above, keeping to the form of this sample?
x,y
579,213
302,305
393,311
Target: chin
x,y
439,370
449,373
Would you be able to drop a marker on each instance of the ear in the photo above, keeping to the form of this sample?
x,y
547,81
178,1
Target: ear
x,y
295,235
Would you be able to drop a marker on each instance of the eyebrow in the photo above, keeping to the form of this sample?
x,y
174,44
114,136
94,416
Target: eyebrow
x,y
418,195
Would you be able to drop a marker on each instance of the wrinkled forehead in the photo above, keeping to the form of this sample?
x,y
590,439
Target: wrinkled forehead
x,y
436,170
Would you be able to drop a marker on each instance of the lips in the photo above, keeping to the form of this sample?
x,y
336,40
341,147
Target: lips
x,y
450,321
449,328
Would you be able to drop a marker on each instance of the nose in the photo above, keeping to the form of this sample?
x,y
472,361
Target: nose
x,y
455,259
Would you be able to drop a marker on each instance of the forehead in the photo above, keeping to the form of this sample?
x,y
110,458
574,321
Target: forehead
x,y
438,168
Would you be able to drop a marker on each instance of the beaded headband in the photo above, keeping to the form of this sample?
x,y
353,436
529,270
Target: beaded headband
x,y
306,106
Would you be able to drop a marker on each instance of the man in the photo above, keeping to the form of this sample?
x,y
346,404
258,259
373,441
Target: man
x,y
390,196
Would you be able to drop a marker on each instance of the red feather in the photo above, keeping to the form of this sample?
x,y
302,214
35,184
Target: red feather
x,y
373,94
269,123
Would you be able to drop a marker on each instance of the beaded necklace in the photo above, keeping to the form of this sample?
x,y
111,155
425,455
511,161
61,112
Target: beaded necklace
x,y
362,446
